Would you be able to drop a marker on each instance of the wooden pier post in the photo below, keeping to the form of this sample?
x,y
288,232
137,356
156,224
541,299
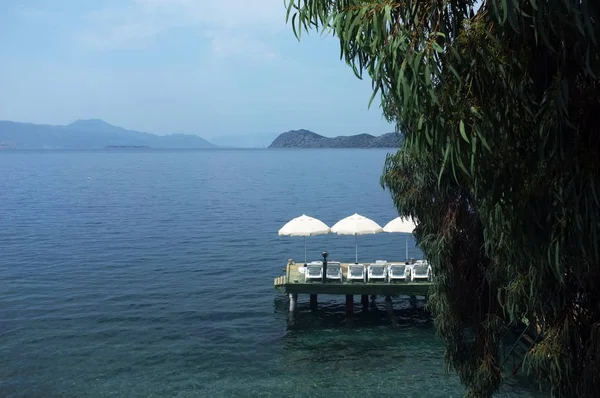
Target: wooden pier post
x,y
349,304
364,299
412,300
293,301
313,301
388,305
390,310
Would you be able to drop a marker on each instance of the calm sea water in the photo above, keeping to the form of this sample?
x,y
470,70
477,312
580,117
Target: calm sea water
x,y
127,274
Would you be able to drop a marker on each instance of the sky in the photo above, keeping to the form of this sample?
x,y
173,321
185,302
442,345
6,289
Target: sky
x,y
206,67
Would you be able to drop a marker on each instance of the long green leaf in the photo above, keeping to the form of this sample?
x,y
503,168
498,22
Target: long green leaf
x,y
441,172
463,134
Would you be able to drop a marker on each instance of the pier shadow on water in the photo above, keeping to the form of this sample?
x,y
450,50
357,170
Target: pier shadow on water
x,y
331,313
367,353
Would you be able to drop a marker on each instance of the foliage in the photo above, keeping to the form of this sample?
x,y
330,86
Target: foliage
x,y
500,109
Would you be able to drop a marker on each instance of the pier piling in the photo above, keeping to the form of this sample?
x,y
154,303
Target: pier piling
x,y
390,310
293,301
313,301
388,306
364,299
412,300
349,304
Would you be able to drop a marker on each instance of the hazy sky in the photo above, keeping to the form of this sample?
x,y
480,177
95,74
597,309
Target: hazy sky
x,y
209,67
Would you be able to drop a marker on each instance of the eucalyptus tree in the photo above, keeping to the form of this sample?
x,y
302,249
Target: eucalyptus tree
x,y
499,103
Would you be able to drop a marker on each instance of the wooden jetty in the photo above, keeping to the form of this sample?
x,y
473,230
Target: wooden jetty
x,y
293,283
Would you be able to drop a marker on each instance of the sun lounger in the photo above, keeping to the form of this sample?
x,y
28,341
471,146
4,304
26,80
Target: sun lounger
x,y
421,271
313,271
320,262
377,272
398,272
356,272
334,271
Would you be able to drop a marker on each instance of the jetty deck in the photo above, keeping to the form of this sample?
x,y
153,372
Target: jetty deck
x,y
293,283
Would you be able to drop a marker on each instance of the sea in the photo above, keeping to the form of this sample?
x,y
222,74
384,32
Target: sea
x,y
149,273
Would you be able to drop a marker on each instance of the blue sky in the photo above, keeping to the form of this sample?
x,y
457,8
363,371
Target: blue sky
x,y
204,67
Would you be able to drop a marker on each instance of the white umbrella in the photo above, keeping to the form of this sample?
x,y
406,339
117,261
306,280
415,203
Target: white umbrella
x,y
304,226
356,225
401,224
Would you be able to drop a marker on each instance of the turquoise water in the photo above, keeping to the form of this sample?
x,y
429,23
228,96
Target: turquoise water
x,y
150,273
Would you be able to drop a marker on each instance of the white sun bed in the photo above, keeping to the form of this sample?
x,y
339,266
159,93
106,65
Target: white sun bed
x,y
320,262
398,271
334,271
377,272
421,271
356,272
313,271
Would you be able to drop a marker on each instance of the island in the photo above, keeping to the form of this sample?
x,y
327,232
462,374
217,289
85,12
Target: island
x,y
91,134
308,139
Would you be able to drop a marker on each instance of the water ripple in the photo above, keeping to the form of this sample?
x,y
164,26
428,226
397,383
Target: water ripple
x,y
154,278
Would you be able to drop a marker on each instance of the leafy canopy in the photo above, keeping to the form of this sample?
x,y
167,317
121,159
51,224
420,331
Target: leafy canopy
x,y
499,105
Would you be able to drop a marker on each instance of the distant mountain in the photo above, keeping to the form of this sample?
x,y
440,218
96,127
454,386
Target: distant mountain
x,y
253,140
308,139
90,134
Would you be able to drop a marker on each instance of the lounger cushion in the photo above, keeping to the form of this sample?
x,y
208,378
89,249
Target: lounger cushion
x,y
420,270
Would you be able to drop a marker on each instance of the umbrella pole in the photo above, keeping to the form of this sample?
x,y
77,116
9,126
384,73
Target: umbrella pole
x,y
305,250
356,248
406,243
